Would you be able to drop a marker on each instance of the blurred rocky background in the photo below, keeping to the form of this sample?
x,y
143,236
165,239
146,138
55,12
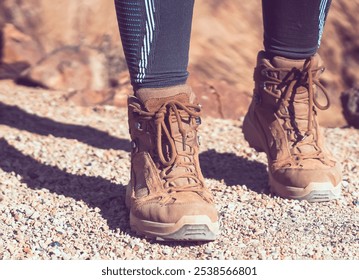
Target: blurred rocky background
x,y
74,46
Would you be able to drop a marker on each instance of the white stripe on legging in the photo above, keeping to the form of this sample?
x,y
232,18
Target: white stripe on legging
x,y
152,10
147,40
322,7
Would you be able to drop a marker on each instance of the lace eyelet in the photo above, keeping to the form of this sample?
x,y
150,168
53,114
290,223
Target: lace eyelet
x,y
263,85
264,73
198,120
134,146
138,126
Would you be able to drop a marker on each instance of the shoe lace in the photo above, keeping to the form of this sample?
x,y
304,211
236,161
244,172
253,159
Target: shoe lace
x,y
293,79
174,158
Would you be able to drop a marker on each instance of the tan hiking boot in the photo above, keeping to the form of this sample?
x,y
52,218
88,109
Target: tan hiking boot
x,y
282,122
167,196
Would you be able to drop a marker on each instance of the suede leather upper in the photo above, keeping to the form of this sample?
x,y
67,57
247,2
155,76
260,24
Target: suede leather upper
x,y
166,180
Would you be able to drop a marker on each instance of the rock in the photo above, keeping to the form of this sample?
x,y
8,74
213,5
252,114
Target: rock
x,y
350,101
55,244
217,98
75,53
19,46
166,251
12,71
35,35
86,202
79,68
262,254
231,206
54,25
27,249
95,97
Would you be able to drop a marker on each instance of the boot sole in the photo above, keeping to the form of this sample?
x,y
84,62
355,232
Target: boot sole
x,y
188,228
314,192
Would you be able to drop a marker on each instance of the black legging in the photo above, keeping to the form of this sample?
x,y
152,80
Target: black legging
x,y
293,28
155,35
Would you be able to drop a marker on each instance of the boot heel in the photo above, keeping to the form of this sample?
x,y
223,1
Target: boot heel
x,y
251,135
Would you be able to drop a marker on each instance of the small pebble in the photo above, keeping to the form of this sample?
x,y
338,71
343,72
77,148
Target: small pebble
x,y
208,251
55,244
166,251
63,190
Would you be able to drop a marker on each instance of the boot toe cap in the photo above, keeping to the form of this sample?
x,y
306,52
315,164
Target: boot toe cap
x,y
176,208
301,177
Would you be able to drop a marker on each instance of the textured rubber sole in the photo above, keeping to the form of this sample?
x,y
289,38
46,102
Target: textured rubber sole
x,y
188,228
314,192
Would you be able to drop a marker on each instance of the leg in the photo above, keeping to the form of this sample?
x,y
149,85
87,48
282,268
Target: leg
x,y
282,118
155,37
293,28
166,196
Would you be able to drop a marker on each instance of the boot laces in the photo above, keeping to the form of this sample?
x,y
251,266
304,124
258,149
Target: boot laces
x,y
174,158
293,79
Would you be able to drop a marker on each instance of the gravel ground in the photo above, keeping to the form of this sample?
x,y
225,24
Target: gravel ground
x,y
63,170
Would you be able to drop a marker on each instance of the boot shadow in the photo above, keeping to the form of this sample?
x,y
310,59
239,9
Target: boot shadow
x,y
94,191
234,170
15,117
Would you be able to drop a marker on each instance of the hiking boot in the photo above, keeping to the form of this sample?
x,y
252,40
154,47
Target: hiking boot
x,y
167,196
282,122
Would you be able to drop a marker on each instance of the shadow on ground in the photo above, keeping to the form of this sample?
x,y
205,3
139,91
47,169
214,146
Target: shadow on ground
x,y
234,170
110,197
99,192
94,191
15,117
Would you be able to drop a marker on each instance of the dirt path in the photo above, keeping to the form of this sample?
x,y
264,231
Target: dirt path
x,y
62,175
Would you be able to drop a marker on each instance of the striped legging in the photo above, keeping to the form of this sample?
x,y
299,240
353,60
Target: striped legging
x,y
156,34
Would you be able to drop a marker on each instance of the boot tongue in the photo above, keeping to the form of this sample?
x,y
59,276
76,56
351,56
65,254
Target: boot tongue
x,y
300,106
179,171
307,148
282,62
186,154
301,120
154,98
289,64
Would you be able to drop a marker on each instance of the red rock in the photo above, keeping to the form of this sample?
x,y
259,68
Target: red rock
x,y
78,68
26,249
225,40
